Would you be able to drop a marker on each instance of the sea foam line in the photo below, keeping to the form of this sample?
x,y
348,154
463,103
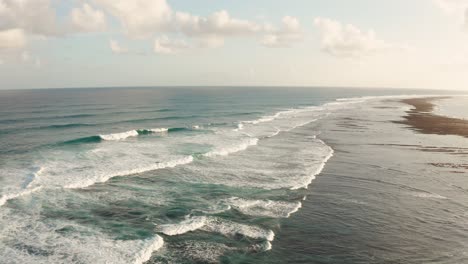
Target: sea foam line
x,y
26,188
6,197
232,149
216,225
103,178
153,245
319,169
132,133
267,208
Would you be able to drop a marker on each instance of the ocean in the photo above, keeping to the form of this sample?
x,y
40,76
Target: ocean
x,y
226,175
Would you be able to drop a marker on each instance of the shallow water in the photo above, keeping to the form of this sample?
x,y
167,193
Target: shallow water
x,y
209,175
455,107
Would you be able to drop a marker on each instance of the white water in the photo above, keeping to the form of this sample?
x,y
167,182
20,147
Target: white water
x,y
216,225
105,177
120,136
122,158
268,208
224,151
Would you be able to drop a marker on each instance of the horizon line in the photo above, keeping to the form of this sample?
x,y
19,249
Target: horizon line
x,y
231,86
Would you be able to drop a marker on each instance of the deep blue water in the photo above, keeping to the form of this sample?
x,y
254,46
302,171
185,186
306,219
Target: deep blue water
x,y
175,175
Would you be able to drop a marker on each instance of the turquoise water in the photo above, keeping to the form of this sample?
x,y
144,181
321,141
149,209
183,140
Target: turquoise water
x,y
175,175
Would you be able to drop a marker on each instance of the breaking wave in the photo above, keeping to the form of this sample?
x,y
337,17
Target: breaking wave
x,y
83,183
125,135
216,225
233,148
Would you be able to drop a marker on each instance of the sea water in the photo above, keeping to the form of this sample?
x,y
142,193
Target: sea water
x,y
171,175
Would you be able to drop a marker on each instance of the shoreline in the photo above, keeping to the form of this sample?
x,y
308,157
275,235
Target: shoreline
x,y
423,119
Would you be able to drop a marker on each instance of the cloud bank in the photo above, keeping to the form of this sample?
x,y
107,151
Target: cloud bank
x,y
346,40
142,19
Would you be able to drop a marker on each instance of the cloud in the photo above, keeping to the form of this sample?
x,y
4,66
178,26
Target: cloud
x,y
145,19
33,16
116,48
289,33
217,24
347,40
87,19
164,45
211,31
139,18
12,39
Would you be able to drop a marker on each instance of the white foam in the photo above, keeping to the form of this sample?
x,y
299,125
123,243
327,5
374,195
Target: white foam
x,y
183,227
262,247
268,208
216,225
233,148
428,195
230,228
158,130
81,244
120,136
201,251
240,126
319,169
150,246
264,119
27,187
105,177
131,133
267,246
216,209
275,133
302,124
6,197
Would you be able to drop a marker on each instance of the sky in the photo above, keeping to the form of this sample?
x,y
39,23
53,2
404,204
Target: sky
x,y
345,43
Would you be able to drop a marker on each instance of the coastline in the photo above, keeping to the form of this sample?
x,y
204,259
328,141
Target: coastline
x,y
383,195
423,119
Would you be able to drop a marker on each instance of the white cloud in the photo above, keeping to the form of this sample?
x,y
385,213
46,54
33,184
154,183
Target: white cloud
x,y
145,19
12,39
139,18
211,31
219,23
347,40
164,45
87,19
289,33
33,16
116,48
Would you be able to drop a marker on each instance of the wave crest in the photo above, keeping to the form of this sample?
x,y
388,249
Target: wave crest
x,y
232,149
